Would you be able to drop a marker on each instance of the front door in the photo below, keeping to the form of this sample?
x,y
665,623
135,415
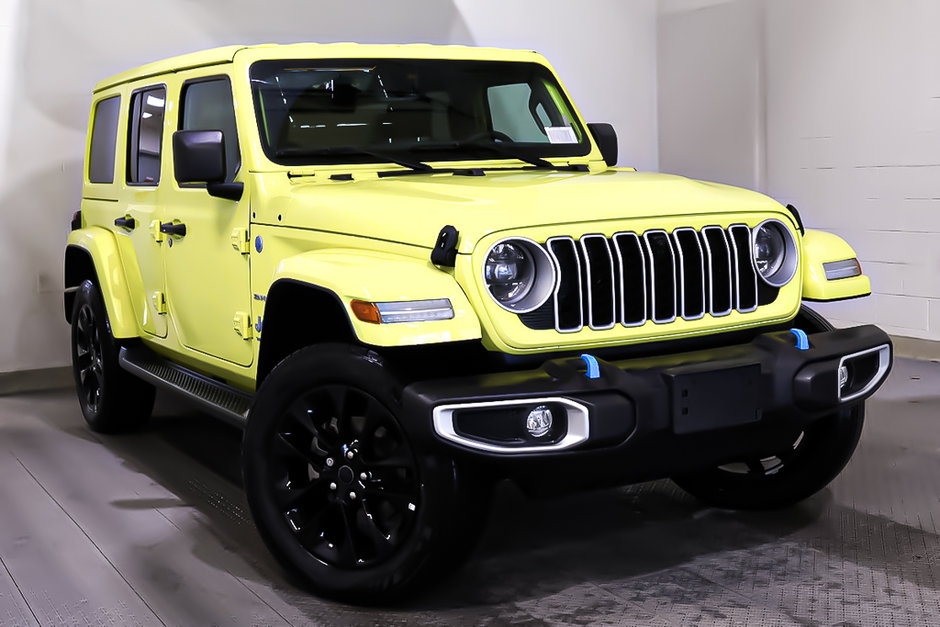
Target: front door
x,y
207,271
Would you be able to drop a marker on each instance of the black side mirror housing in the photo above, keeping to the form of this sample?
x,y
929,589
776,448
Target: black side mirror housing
x,y
606,138
199,157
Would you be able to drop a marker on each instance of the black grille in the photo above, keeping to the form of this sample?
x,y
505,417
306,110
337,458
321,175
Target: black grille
x,y
631,278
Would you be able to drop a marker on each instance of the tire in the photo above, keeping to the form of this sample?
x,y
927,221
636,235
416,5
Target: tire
x,y
339,494
784,477
797,470
112,400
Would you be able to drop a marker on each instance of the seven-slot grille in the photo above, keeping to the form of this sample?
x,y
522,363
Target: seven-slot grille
x,y
631,278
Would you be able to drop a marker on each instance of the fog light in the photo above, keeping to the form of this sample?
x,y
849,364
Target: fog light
x,y
843,376
539,421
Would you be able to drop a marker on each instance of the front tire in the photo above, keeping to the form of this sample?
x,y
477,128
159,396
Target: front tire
x,y
797,469
337,490
112,400
786,476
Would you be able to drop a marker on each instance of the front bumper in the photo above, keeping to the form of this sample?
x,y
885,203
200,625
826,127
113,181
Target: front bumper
x,y
647,418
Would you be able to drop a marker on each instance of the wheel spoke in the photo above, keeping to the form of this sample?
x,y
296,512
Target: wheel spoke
x,y
285,449
392,495
755,466
291,498
382,542
349,551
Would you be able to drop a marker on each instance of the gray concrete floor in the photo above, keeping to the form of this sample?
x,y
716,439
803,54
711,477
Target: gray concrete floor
x,y
152,528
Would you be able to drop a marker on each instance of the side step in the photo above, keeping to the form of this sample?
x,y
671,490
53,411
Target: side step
x,y
210,395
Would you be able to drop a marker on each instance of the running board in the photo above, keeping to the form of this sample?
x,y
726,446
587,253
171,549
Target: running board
x,y
210,395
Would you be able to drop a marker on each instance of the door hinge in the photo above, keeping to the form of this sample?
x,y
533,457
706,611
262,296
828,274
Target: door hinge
x,y
159,302
243,326
240,241
156,232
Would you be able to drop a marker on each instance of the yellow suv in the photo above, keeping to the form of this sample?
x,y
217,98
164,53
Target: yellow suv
x,y
411,271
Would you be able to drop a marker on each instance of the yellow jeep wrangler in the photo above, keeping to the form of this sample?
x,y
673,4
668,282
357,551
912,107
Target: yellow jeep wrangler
x,y
411,271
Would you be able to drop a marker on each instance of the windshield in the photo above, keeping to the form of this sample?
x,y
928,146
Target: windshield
x,y
363,110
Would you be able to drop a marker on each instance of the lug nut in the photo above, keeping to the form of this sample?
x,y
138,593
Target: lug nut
x,y
363,476
350,454
352,495
332,486
329,461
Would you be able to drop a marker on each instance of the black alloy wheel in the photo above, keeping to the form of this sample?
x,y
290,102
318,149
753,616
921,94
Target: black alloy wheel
x,y
344,477
89,362
340,493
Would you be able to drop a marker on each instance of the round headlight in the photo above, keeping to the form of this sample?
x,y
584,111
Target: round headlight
x,y
519,274
775,256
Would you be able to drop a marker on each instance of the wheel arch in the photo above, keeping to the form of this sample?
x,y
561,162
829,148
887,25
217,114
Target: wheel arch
x,y
92,254
298,314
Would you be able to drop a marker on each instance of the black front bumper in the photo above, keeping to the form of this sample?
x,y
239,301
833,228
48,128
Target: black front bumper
x,y
647,418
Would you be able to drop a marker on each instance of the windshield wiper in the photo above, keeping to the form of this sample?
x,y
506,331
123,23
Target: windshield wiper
x,y
417,166
503,152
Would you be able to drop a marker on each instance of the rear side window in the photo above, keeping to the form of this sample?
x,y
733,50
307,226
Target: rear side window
x,y
103,140
207,106
146,136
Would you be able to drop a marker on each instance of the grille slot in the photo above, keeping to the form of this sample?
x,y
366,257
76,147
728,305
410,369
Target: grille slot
x,y
745,284
569,313
720,276
599,272
631,278
691,273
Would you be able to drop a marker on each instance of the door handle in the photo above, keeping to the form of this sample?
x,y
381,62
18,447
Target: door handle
x,y
173,229
126,222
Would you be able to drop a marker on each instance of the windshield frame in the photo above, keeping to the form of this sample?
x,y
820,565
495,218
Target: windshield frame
x,y
447,151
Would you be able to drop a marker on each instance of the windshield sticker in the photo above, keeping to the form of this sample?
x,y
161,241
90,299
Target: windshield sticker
x,y
561,135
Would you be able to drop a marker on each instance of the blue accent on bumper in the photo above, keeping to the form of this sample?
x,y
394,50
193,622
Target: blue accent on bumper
x,y
593,368
802,340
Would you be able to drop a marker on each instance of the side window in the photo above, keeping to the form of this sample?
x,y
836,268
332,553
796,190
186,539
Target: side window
x,y
103,140
146,136
207,106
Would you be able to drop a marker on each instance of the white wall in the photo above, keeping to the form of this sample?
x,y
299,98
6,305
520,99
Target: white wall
x,y
52,53
848,112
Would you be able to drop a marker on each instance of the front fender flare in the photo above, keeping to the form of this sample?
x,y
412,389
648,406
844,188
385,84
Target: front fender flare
x,y
352,274
101,248
820,247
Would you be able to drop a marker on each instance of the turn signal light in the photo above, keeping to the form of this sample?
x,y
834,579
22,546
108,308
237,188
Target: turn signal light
x,y
367,312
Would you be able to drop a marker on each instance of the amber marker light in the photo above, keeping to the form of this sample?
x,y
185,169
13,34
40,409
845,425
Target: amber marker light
x,y
367,312
403,311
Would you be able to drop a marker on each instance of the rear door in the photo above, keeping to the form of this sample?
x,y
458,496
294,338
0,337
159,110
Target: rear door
x,y
142,211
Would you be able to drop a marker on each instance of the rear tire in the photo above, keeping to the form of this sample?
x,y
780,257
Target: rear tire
x,y
112,400
339,493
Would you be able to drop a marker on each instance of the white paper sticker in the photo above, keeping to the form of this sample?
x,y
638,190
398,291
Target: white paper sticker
x,y
561,135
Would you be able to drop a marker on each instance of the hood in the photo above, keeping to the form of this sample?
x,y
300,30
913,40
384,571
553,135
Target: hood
x,y
412,209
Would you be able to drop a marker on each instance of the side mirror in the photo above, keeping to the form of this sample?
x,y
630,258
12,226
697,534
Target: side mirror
x,y
199,157
606,138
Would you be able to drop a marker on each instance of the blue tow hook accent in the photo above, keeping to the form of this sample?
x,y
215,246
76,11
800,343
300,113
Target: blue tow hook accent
x,y
802,340
593,368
